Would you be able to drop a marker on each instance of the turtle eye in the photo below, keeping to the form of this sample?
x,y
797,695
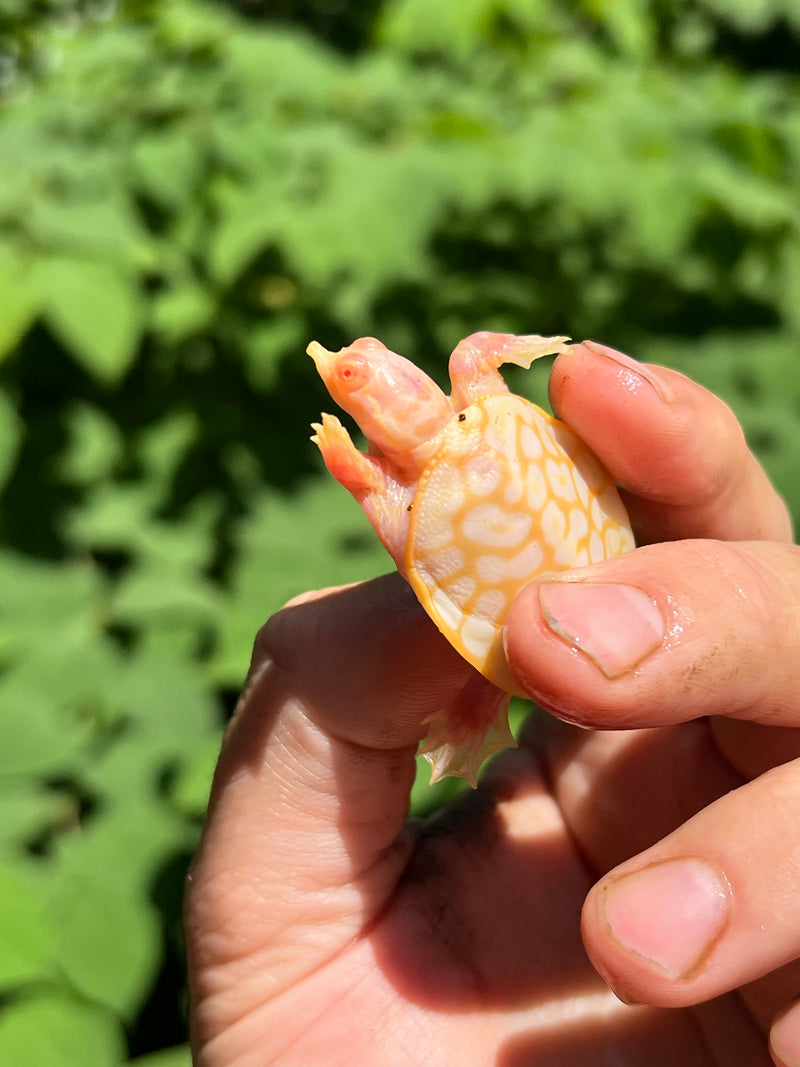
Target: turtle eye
x,y
352,373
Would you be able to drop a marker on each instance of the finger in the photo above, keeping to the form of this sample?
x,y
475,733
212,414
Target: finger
x,y
664,634
677,449
752,748
621,791
304,840
784,1038
698,914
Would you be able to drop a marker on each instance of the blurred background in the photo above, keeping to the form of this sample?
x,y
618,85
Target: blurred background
x,y
189,192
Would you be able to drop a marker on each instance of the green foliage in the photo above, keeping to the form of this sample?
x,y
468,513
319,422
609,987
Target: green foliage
x,y
191,191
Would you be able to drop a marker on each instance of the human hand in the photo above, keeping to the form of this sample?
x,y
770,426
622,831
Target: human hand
x,y
323,930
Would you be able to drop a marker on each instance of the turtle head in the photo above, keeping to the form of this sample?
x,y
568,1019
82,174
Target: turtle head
x,y
397,406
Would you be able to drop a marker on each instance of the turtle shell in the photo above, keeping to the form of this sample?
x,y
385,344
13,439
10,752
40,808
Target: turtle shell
x,y
510,494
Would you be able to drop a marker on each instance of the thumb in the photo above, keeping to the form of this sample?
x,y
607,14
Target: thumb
x,y
665,634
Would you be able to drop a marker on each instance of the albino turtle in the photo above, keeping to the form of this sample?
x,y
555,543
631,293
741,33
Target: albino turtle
x,y
473,495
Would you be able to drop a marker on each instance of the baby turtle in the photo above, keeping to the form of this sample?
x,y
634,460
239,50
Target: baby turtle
x,y
473,495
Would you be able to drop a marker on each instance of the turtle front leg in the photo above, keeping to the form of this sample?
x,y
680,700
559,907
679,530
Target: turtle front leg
x,y
382,497
475,362
357,472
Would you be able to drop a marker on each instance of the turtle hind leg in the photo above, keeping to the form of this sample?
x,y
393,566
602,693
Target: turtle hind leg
x,y
475,362
476,726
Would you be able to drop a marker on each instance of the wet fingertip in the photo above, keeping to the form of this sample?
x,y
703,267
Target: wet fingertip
x,y
635,374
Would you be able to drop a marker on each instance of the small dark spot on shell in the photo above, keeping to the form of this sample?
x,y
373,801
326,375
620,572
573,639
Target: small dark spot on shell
x,y
410,507
462,417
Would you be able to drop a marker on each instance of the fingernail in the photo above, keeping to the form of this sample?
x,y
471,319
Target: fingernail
x,y
671,913
784,1038
636,372
615,626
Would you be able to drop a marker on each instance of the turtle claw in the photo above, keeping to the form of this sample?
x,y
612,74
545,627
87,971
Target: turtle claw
x,y
356,471
460,739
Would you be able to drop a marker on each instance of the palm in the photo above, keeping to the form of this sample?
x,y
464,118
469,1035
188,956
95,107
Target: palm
x,y
476,959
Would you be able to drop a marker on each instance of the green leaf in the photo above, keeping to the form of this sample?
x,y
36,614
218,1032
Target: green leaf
x,y
58,1031
96,311
11,430
754,16
19,299
165,444
184,309
121,850
170,699
374,218
180,1056
95,445
108,943
26,809
268,345
251,221
192,786
56,690
27,937
104,229
454,29
109,933
630,23
287,545
787,283
67,595
155,587
167,165
52,706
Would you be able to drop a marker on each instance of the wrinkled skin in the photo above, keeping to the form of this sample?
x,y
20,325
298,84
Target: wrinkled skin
x,y
324,930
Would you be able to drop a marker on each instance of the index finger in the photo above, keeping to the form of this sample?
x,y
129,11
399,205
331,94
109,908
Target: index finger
x,y
676,449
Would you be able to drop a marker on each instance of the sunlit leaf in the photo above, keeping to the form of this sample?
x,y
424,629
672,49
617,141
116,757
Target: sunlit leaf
x,y
31,589
49,1030
19,298
27,809
114,971
182,310
167,165
174,1057
95,445
105,229
192,787
27,935
287,546
95,310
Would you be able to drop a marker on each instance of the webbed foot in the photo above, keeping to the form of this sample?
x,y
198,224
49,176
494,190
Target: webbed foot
x,y
475,362
460,739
